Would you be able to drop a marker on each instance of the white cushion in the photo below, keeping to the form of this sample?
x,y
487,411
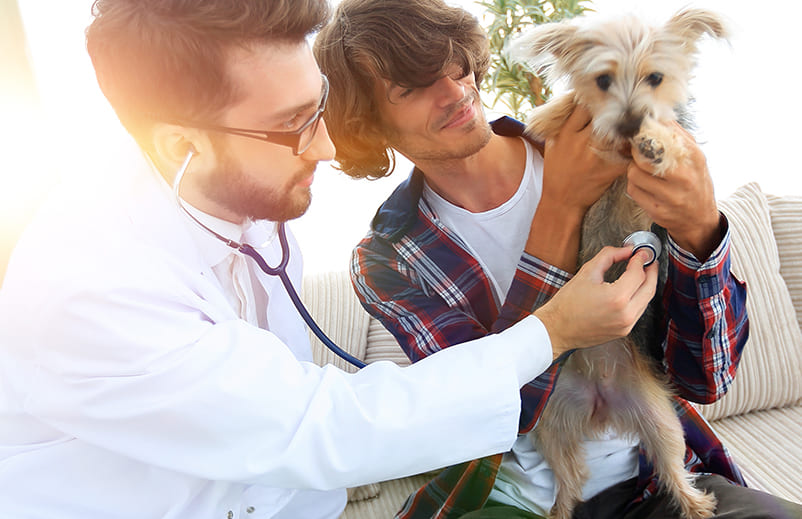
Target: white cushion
x,y
393,494
770,372
786,220
765,446
383,346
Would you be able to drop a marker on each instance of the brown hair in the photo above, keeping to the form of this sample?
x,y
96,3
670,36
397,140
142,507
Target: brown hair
x,y
410,43
164,60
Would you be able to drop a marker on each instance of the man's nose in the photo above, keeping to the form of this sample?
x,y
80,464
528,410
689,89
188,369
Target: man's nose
x,y
449,90
322,148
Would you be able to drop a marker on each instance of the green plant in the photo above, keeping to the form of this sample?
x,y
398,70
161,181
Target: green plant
x,y
512,83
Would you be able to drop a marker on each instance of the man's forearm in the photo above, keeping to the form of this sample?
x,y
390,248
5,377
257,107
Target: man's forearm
x,y
554,235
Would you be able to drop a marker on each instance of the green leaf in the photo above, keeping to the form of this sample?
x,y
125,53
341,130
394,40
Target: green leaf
x,y
507,82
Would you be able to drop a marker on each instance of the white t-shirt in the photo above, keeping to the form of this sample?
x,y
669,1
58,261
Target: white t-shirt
x,y
497,238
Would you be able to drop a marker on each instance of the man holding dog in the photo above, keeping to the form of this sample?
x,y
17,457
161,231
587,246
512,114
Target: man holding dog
x,y
486,229
150,370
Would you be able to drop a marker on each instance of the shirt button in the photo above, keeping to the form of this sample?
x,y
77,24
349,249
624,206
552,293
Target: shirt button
x,y
250,509
230,515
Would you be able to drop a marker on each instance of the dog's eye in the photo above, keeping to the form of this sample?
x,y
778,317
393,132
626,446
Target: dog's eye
x,y
654,79
604,81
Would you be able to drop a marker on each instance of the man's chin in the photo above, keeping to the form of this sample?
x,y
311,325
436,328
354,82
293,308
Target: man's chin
x,y
290,210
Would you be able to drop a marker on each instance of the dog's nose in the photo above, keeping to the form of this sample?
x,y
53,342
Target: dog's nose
x,y
629,126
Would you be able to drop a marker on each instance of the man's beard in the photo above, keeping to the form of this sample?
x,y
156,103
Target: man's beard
x,y
236,191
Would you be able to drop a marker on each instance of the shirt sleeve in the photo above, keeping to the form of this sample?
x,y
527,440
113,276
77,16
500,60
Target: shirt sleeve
x,y
139,365
707,324
425,321
427,313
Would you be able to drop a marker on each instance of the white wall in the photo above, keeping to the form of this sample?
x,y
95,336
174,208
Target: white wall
x,y
747,117
746,112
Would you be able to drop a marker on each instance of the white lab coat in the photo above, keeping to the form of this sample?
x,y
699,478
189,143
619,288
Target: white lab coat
x,y
130,389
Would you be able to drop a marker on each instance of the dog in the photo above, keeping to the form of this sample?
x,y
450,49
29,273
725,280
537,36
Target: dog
x,y
634,80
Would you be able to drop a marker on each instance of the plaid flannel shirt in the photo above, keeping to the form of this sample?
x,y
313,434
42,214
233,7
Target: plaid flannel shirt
x,y
417,277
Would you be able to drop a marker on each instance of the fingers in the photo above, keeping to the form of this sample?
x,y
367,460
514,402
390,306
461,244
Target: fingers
x,y
605,259
641,164
645,292
684,132
637,283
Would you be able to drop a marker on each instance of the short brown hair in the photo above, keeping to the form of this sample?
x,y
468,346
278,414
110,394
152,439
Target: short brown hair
x,y
164,60
410,43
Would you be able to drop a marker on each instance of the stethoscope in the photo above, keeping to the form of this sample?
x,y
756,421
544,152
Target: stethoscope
x,y
279,270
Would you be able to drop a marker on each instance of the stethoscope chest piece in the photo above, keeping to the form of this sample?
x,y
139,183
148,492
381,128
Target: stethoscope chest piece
x,y
645,240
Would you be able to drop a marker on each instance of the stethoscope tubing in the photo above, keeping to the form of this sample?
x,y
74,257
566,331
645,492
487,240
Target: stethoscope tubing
x,y
279,270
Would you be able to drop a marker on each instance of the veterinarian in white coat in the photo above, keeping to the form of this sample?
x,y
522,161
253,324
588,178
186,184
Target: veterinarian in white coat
x,y
147,370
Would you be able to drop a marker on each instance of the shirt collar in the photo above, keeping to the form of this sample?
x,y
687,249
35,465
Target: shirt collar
x,y
258,234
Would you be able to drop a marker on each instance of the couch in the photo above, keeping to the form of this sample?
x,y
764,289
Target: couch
x,y
759,419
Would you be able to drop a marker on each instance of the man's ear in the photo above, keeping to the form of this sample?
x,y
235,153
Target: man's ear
x,y
172,144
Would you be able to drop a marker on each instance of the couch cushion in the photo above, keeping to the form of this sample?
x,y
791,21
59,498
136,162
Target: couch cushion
x,y
333,304
393,495
764,445
383,346
786,220
770,373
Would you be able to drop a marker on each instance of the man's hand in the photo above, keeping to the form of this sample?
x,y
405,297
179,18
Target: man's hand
x,y
682,201
588,311
574,177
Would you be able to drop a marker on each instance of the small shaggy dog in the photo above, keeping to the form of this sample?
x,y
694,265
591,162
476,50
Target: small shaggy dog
x,y
633,79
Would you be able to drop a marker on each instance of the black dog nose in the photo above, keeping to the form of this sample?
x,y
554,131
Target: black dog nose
x,y
630,126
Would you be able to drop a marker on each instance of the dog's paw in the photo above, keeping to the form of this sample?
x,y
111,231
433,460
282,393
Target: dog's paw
x,y
651,149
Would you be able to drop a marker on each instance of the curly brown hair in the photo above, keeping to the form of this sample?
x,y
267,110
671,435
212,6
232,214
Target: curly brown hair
x,y
408,42
164,60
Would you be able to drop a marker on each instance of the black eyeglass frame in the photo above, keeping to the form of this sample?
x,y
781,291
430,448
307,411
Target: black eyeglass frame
x,y
291,139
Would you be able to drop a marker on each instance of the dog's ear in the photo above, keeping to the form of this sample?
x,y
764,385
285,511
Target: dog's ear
x,y
544,46
692,24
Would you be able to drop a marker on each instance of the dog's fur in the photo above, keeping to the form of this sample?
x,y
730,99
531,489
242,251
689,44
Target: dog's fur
x,y
633,79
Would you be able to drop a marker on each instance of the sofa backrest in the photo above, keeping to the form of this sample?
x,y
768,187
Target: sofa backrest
x,y
786,222
770,373
332,303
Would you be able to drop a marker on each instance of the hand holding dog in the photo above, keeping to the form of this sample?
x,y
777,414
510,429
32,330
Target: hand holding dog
x,y
574,177
682,200
588,311
574,174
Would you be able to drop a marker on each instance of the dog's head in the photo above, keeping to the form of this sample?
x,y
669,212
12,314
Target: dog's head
x,y
623,70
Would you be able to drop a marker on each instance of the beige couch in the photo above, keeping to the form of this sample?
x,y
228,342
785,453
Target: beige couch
x,y
760,419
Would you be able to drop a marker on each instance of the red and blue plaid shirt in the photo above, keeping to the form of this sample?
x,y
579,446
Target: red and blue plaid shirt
x,y
418,278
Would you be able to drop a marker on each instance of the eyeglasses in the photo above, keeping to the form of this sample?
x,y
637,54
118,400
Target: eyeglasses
x,y
299,140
